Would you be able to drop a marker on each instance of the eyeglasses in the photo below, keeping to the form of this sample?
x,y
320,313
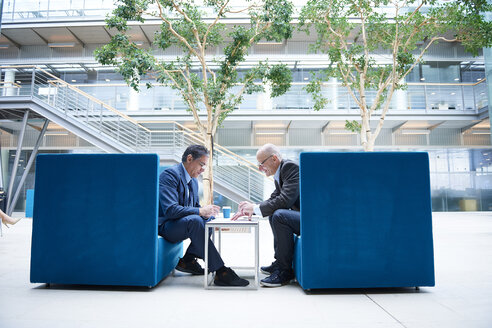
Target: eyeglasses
x,y
266,159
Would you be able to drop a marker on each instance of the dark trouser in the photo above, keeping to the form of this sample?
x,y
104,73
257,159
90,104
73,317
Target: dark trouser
x,y
284,224
193,227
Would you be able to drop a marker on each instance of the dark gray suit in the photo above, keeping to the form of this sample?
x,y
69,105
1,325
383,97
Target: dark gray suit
x,y
283,208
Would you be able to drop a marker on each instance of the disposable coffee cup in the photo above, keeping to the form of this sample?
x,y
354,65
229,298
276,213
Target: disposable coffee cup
x,y
226,211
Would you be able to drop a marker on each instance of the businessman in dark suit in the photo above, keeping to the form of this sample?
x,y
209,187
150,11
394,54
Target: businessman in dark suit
x,y
182,217
283,210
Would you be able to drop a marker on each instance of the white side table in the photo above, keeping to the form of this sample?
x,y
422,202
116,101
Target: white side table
x,y
227,223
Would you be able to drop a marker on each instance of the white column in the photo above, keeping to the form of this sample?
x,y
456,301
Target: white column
x,y
133,101
401,99
9,80
264,99
334,94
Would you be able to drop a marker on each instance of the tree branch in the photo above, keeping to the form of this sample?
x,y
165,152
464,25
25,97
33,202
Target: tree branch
x,y
221,10
176,34
423,52
347,82
414,12
184,94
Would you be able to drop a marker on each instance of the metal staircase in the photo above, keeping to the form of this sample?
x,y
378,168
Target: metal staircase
x,y
113,131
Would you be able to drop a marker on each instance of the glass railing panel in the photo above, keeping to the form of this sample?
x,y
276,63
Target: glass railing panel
x,y
444,97
30,10
427,96
36,10
468,92
295,98
481,98
416,97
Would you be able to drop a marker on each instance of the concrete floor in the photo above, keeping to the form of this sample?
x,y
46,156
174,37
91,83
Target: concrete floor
x,y
462,296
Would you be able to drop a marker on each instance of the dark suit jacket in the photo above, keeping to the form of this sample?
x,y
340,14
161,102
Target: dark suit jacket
x,y
172,194
286,194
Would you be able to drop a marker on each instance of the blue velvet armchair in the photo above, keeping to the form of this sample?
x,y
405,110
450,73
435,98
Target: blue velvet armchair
x,y
95,221
366,221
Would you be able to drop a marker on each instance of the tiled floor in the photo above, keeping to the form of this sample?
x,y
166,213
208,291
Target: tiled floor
x,y
462,296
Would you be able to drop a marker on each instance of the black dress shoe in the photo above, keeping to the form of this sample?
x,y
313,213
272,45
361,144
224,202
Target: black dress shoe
x,y
229,278
190,267
278,278
269,269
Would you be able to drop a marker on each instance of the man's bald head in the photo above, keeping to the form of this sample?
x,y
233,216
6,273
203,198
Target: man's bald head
x,y
269,159
268,150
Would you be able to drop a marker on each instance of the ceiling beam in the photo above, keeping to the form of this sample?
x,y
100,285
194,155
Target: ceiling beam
x,y
324,127
85,68
398,127
288,127
76,37
40,36
9,131
470,126
145,35
17,45
107,32
53,69
432,127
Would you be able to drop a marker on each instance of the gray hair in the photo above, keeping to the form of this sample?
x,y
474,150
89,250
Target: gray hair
x,y
269,149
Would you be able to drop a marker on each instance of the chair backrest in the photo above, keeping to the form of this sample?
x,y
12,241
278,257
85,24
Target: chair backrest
x,y
366,220
95,219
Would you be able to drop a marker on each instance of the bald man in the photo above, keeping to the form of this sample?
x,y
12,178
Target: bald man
x,y
283,210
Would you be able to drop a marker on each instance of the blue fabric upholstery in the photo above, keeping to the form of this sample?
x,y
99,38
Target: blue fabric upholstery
x,y
29,203
95,221
366,221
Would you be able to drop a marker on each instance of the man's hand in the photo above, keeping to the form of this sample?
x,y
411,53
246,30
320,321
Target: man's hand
x,y
245,209
209,210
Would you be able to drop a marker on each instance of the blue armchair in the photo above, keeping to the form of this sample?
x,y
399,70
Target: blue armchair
x,y
95,221
366,221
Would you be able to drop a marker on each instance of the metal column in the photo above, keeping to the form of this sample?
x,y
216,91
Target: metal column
x,y
28,167
16,160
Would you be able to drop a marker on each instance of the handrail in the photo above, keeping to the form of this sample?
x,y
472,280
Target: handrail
x,y
293,83
227,152
451,84
12,85
223,149
108,107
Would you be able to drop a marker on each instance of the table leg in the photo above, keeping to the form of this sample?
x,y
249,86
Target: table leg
x,y
257,254
206,257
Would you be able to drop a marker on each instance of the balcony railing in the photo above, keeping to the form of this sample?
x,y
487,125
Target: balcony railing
x,y
418,96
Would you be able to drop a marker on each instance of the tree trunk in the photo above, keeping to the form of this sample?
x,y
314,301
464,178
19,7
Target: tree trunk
x,y
369,146
208,175
365,132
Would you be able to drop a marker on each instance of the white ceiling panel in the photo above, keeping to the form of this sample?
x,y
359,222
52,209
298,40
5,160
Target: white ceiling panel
x,y
56,34
24,37
134,32
91,34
